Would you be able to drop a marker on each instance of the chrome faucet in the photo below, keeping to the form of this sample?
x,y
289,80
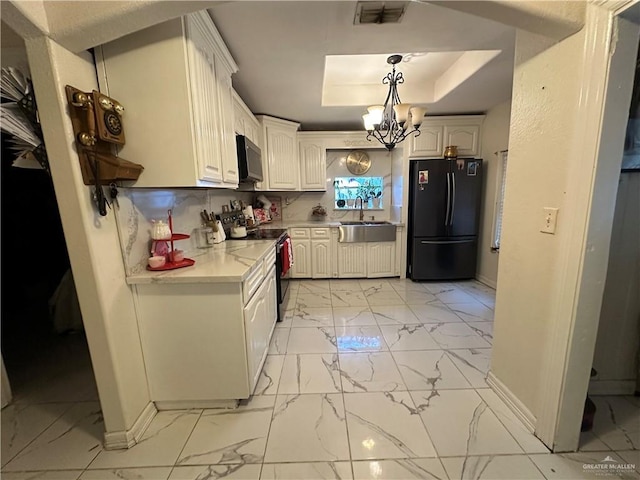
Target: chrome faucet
x,y
361,211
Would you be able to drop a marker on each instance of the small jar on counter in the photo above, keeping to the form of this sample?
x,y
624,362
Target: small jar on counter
x,y
204,237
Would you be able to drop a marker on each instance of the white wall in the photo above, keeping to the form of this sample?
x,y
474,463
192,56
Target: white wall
x,y
495,138
544,107
616,355
105,299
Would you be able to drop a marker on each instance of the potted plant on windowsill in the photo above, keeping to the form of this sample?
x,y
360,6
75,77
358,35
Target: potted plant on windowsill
x,y
376,197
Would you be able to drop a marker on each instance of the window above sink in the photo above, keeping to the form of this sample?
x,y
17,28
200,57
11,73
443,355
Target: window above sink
x,y
348,189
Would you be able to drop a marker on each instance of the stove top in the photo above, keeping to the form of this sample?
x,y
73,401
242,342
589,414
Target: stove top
x,y
263,234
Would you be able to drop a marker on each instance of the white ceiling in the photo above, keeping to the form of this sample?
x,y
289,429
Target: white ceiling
x,y
281,50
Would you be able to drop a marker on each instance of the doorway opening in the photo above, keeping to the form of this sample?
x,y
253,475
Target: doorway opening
x,y
44,348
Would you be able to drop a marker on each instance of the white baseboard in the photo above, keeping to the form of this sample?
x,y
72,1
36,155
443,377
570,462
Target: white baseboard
x,y
128,438
612,387
514,404
487,281
187,404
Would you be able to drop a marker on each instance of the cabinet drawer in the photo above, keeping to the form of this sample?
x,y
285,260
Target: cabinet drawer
x,y
320,233
269,261
252,282
299,233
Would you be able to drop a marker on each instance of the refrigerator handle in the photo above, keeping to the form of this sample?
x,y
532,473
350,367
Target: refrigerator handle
x,y
453,196
446,217
444,242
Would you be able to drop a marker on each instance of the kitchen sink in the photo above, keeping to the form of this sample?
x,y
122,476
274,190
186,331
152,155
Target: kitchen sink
x,y
366,222
356,232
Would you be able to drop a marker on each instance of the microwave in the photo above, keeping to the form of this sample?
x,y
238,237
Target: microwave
x,y
249,160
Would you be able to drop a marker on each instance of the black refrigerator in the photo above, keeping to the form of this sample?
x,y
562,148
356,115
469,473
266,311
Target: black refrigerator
x,y
444,215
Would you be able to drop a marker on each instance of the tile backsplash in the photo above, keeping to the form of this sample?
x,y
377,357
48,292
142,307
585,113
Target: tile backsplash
x,y
298,205
138,206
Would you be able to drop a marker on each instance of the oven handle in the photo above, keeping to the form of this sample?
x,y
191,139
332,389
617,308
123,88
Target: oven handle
x,y
281,243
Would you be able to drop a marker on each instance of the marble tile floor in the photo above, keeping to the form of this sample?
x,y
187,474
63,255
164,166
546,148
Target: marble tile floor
x,y
353,388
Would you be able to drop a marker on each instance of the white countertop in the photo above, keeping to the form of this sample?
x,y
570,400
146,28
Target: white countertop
x,y
229,261
310,224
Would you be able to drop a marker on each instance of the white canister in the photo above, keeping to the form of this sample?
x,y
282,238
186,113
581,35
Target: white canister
x,y
160,230
238,232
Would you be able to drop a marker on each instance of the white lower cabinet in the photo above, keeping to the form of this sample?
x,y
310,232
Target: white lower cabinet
x,y
381,259
370,260
301,258
320,258
203,343
318,254
352,260
259,315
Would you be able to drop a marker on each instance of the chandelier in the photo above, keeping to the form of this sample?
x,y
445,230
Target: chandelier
x,y
388,123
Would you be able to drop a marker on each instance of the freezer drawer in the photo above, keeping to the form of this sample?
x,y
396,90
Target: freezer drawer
x,y
443,259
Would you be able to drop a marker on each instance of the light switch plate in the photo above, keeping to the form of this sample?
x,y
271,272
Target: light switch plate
x,y
549,220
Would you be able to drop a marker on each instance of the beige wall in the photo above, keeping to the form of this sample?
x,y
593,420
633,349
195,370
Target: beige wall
x,y
544,108
105,299
495,137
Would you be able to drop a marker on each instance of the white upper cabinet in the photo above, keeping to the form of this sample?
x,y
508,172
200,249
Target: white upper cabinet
x,y
436,133
280,167
428,143
465,137
174,80
313,162
245,123
228,136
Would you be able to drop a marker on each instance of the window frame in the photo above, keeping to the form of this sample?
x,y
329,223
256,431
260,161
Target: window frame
x,y
359,179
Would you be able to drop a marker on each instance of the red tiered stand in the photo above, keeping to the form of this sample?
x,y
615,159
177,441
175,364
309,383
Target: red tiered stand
x,y
171,265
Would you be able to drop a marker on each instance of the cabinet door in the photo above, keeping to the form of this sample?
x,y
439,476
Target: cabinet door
x,y
227,135
352,260
313,165
301,259
428,143
204,93
252,130
282,158
381,258
238,117
466,137
321,258
259,320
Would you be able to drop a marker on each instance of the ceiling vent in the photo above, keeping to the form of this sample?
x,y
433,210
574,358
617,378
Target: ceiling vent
x,y
379,12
